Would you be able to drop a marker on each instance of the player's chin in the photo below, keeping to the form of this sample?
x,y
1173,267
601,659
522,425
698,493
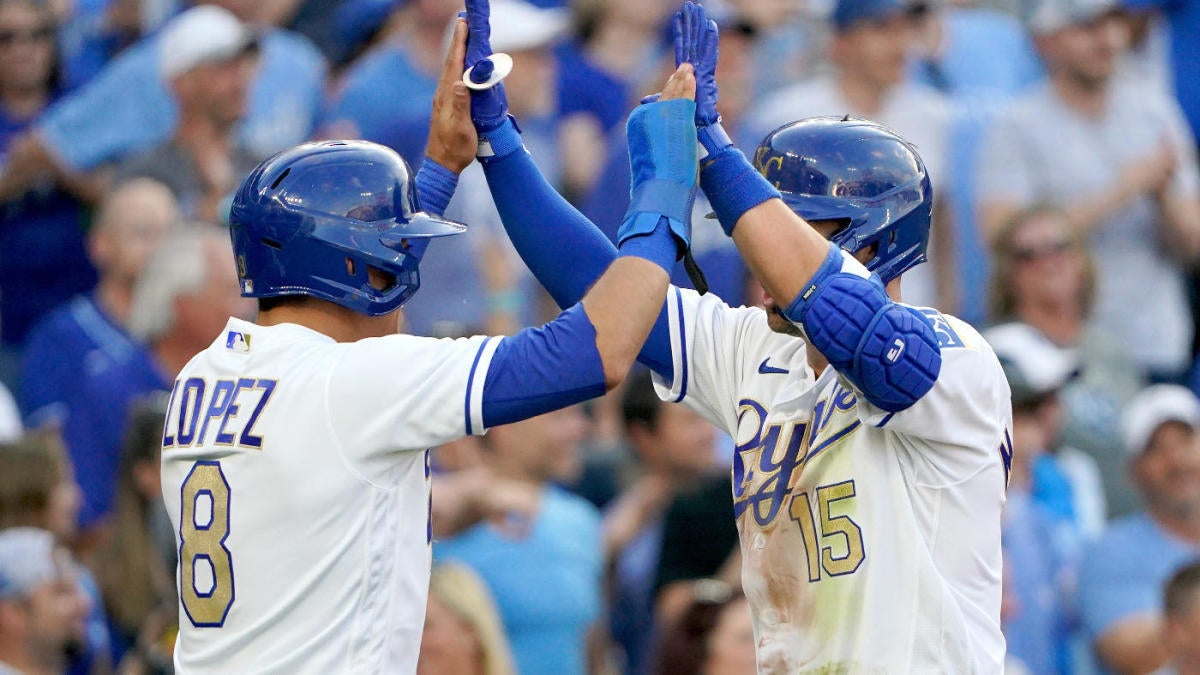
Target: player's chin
x,y
777,323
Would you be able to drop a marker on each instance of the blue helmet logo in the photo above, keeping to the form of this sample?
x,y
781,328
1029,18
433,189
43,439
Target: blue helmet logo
x,y
857,172
315,219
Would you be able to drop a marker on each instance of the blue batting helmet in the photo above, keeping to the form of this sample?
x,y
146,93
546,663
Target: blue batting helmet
x,y
856,171
313,219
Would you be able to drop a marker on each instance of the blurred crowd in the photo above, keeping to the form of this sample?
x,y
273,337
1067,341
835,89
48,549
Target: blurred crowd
x,y
1061,139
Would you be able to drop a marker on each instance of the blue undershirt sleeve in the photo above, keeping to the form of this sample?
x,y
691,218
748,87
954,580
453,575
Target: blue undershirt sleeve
x,y
435,187
563,249
543,369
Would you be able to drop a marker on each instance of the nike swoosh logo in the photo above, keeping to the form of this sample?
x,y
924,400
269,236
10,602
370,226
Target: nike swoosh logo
x,y
764,369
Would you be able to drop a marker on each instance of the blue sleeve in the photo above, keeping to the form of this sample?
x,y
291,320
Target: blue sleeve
x,y
543,369
1112,586
532,211
435,187
45,371
78,135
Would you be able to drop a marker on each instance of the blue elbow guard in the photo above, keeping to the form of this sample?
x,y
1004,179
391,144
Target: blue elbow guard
x,y
889,351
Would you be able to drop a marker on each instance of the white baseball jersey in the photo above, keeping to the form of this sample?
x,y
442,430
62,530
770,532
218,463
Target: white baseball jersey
x,y
870,541
295,472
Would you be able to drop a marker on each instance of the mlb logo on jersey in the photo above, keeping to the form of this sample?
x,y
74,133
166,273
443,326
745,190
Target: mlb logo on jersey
x,y
238,342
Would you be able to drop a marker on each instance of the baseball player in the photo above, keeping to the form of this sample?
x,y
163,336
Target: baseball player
x,y
872,437
294,462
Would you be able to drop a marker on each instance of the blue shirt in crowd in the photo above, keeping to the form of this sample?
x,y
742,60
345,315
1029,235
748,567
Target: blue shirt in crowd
x,y
631,619
139,112
1123,572
43,259
94,431
546,584
75,341
1038,633
386,99
584,87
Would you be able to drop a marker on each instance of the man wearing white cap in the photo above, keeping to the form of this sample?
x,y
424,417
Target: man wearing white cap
x,y
41,607
1115,154
1066,480
1122,573
208,59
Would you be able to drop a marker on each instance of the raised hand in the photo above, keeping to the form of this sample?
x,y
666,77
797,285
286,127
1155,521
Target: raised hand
x,y
489,106
662,158
452,138
697,43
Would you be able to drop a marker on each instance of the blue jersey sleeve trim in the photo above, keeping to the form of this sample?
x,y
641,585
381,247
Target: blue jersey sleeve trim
x,y
471,383
886,418
683,354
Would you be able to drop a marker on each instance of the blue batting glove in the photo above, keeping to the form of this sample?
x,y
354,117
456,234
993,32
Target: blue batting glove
x,y
489,107
697,42
662,158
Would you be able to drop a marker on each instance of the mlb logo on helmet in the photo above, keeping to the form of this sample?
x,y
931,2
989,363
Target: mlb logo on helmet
x,y
238,342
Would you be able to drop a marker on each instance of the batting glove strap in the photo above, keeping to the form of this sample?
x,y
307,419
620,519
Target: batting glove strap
x,y
659,197
499,142
733,186
712,139
656,241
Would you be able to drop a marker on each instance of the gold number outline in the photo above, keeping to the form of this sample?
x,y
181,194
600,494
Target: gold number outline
x,y
820,555
211,609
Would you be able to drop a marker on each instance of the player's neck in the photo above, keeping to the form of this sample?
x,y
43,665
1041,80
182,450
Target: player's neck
x,y
339,323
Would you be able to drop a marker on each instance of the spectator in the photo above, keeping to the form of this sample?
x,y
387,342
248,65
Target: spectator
x,y
1117,157
872,43
1041,544
384,96
463,634
674,446
1181,615
42,224
181,303
1042,275
616,50
699,542
1066,481
979,57
139,112
38,489
90,332
713,636
547,584
1122,573
209,60
136,565
41,609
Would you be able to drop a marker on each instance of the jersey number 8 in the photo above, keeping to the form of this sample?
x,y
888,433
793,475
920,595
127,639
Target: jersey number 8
x,y
205,565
